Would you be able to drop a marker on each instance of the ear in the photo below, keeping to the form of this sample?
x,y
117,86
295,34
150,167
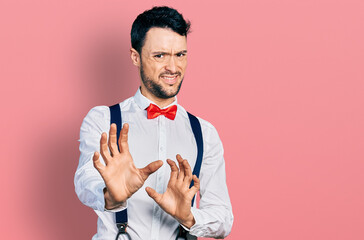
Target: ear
x,y
135,57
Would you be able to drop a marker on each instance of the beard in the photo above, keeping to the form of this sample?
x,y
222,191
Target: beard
x,y
157,89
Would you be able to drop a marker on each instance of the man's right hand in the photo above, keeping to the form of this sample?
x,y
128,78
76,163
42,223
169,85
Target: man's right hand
x,y
121,177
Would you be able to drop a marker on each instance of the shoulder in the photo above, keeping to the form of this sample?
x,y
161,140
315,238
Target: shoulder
x,y
96,119
213,146
206,125
99,116
209,132
98,112
103,112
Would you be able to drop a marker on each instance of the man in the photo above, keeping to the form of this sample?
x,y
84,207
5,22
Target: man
x,y
110,180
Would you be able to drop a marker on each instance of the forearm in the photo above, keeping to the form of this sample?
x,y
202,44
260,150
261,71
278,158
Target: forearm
x,y
213,222
214,218
89,187
88,182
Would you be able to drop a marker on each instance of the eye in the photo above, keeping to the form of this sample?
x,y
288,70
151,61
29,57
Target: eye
x,y
159,55
181,54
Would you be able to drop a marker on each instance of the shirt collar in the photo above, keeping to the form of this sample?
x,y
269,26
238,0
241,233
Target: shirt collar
x,y
144,102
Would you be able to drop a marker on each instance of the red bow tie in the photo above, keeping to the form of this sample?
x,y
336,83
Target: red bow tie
x,y
154,111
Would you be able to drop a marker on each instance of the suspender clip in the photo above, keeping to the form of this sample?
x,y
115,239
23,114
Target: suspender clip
x,y
122,230
122,227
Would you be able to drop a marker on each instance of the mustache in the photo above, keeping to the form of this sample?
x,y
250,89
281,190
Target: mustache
x,y
170,73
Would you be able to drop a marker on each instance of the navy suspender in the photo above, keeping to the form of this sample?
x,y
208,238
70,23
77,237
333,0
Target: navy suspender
x,y
196,129
115,117
121,217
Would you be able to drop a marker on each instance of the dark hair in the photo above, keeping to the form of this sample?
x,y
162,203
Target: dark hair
x,y
163,17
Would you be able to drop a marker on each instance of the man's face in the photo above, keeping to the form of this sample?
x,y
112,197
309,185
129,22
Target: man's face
x,y
163,62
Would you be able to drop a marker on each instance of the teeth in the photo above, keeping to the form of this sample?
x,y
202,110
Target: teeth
x,y
170,78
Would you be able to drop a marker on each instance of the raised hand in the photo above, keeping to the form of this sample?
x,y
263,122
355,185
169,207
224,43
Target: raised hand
x,y
121,177
176,200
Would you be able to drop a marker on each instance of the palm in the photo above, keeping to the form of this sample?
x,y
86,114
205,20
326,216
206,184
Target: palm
x,y
121,174
176,200
121,177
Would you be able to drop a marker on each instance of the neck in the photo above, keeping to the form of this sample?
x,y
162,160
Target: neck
x,y
161,102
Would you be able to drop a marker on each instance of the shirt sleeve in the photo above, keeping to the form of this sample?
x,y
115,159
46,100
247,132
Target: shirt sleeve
x,y
214,217
88,182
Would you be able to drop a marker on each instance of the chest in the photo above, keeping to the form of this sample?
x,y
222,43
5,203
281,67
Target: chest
x,y
160,139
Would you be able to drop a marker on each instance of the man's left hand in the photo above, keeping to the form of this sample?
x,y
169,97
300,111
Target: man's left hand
x,y
176,200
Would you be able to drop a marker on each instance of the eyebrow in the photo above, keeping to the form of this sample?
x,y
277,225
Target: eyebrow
x,y
162,52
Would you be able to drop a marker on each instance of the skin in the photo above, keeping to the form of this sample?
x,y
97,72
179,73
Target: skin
x,y
164,54
163,61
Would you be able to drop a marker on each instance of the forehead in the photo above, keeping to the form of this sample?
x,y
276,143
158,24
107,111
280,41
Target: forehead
x,y
164,39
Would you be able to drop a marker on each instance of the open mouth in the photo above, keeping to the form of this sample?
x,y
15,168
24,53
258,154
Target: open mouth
x,y
170,79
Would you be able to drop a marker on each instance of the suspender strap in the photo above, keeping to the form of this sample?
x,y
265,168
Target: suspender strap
x,y
115,117
196,129
121,218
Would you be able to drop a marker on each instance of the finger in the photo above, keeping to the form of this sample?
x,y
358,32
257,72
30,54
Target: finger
x,y
123,139
104,150
181,174
112,140
188,172
153,194
97,164
196,185
150,168
174,171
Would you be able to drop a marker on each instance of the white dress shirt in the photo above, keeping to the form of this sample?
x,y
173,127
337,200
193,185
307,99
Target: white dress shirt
x,y
150,140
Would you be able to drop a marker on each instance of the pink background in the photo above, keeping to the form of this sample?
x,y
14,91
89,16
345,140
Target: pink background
x,y
282,81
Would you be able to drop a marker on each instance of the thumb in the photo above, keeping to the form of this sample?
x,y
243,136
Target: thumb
x,y
196,185
150,168
153,194
97,164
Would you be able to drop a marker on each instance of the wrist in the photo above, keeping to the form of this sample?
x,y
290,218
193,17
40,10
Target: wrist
x,y
189,221
109,203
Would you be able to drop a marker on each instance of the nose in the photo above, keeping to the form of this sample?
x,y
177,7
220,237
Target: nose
x,y
171,65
